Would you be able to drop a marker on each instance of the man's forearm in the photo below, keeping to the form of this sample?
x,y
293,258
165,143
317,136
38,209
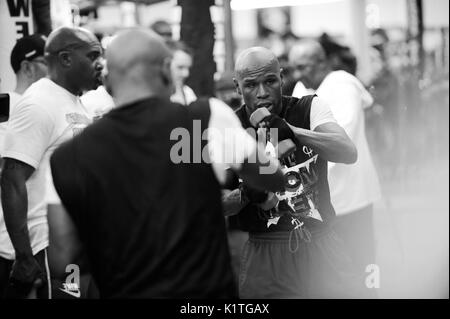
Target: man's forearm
x,y
15,207
232,202
332,147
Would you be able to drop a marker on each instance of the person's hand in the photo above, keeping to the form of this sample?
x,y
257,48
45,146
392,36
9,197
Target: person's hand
x,y
253,195
284,131
26,274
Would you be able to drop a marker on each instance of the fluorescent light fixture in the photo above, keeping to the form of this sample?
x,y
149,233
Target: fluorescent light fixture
x,y
259,4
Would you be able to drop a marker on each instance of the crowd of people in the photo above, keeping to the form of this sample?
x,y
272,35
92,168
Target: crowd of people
x,y
139,190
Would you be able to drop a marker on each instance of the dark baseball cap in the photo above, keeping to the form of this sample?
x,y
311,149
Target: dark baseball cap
x,y
27,48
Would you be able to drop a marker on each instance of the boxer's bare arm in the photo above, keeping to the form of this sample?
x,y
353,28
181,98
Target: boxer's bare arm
x,y
329,140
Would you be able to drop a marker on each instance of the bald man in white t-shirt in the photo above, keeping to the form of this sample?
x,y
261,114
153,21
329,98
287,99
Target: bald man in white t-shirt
x,y
49,113
354,188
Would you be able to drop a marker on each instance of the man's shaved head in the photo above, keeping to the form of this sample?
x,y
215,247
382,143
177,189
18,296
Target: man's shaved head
x,y
258,79
138,57
136,47
308,48
65,38
309,61
74,57
254,59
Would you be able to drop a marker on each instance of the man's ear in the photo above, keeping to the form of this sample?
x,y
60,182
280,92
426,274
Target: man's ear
x,y
26,68
65,58
323,65
236,84
166,72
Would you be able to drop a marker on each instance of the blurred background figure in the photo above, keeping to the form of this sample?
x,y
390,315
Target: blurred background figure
x,y
226,91
29,65
181,66
289,81
353,188
383,119
340,57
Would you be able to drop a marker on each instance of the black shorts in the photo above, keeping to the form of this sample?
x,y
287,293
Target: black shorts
x,y
321,268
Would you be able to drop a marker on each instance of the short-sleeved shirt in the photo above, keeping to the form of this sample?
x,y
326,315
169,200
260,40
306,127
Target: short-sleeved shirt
x,y
184,96
46,116
13,99
97,102
307,191
352,186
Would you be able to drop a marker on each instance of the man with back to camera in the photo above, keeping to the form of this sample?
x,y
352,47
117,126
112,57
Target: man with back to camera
x,y
161,222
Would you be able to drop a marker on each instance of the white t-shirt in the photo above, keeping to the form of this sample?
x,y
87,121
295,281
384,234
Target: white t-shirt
x,y
185,96
45,117
301,90
13,99
320,113
97,102
228,143
351,186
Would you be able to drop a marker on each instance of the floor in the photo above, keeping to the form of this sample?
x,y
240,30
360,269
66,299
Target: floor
x,y
412,233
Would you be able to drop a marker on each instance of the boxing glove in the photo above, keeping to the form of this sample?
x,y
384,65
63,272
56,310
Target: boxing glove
x,y
253,195
284,131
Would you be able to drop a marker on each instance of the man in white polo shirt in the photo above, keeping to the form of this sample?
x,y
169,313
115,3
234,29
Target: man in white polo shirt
x,y
49,114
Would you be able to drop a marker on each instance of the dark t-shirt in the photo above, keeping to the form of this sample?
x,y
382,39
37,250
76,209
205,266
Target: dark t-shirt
x,y
151,228
306,182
